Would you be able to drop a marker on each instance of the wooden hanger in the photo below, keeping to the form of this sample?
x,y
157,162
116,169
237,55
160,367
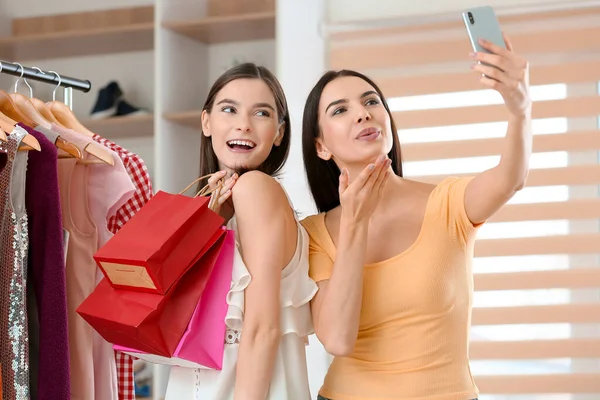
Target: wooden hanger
x,y
28,109
26,106
102,155
10,111
6,124
67,118
40,106
69,148
44,111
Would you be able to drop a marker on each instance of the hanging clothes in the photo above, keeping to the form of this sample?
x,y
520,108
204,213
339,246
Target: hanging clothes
x,y
54,215
140,177
80,273
13,272
52,137
46,261
108,189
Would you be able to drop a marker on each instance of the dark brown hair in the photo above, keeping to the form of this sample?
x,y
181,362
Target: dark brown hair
x,y
209,163
323,175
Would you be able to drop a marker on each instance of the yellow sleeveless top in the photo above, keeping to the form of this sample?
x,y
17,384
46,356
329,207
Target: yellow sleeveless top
x,y
416,310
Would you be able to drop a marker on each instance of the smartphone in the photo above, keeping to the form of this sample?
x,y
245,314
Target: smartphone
x,y
481,23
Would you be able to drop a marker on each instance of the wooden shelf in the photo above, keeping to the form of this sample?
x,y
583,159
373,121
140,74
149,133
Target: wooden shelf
x,y
191,119
80,34
137,37
122,127
232,28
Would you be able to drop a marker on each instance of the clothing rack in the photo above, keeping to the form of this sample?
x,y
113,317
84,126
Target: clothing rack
x,y
66,82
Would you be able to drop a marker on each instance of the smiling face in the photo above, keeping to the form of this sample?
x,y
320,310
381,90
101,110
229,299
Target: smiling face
x,y
243,124
355,126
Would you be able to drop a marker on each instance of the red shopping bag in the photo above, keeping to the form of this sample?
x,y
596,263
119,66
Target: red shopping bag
x,y
151,322
203,343
157,246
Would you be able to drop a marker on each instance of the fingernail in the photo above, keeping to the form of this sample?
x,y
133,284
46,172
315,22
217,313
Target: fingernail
x,y
482,41
343,172
389,162
371,166
472,66
472,55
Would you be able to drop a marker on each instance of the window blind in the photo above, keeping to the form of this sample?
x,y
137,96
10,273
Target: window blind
x,y
536,315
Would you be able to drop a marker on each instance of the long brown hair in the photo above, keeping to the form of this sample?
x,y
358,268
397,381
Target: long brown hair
x,y
323,175
209,163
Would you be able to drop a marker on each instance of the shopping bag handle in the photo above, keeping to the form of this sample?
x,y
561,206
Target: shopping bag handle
x,y
206,190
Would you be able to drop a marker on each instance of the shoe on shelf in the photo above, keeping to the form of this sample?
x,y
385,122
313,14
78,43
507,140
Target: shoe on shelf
x,y
107,101
126,109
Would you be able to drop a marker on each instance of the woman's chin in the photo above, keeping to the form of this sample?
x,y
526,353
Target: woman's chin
x,y
369,155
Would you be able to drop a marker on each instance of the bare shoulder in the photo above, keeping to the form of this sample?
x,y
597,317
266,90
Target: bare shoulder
x,y
266,222
260,192
420,190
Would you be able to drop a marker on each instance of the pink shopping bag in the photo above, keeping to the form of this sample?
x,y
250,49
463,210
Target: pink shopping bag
x,y
203,342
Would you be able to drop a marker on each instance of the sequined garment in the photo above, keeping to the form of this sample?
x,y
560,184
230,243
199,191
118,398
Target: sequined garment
x,y
13,252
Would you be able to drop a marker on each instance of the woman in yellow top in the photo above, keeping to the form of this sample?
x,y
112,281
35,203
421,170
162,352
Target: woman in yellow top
x,y
392,257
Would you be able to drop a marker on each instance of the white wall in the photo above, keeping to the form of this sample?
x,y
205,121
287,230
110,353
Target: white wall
x,y
301,55
300,62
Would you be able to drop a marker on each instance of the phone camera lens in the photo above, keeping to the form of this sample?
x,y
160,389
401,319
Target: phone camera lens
x,y
471,19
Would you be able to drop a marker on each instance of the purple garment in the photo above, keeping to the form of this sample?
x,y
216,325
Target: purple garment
x,y
46,264
3,156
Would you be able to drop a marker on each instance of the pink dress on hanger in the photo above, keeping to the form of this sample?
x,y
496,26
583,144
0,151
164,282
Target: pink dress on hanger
x,y
106,188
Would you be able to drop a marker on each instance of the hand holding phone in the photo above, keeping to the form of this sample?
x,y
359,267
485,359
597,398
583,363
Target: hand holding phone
x,y
500,68
481,23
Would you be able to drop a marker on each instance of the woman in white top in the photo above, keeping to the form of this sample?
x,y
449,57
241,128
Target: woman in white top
x,y
246,136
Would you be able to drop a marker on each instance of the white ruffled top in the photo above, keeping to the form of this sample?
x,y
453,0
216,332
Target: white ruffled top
x,y
290,376
297,289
